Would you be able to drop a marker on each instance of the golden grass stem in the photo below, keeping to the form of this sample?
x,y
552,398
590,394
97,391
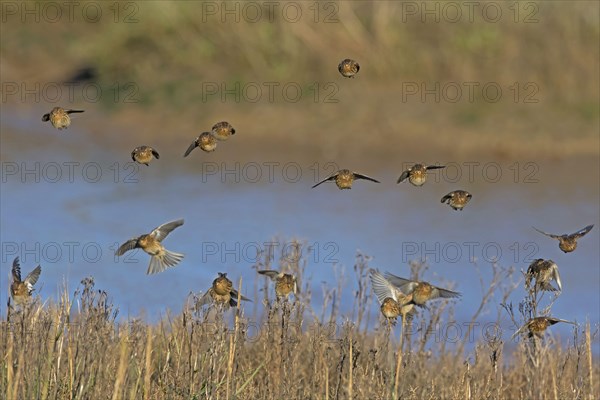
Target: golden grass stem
x,y
399,360
148,365
588,342
350,368
122,369
17,383
9,366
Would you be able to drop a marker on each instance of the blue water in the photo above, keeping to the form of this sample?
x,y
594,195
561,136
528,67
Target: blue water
x,y
225,222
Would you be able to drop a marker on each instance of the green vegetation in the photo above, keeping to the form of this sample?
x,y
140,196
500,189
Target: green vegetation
x,y
171,50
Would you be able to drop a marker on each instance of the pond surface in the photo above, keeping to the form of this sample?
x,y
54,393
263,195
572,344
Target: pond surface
x,y
68,210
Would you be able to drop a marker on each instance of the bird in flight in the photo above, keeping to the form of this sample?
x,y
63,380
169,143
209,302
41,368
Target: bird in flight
x,y
222,130
457,199
151,243
59,117
344,179
417,174
144,154
348,68
568,242
206,141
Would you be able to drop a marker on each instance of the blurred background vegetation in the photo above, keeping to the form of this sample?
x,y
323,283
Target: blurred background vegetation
x,y
171,49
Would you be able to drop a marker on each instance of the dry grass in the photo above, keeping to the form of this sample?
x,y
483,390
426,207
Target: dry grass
x,y
79,349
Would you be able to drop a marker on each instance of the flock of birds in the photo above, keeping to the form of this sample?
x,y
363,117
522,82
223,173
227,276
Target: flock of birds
x,y
397,296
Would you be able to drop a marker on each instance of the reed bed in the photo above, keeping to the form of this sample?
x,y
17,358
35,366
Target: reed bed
x,y
78,348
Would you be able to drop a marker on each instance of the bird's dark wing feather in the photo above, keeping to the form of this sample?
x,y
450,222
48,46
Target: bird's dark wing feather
x,y
271,274
331,178
16,270
192,147
403,176
582,232
125,247
368,178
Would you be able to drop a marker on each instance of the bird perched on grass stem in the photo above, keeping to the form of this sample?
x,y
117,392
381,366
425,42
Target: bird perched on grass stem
x,y
21,290
393,303
285,284
536,326
543,271
421,292
222,293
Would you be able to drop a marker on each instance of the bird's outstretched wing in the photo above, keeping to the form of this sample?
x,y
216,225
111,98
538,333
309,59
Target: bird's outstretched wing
x,y
125,247
582,232
16,270
331,178
382,287
368,178
403,177
190,148
163,231
33,276
397,281
444,293
270,273
234,296
446,198
547,234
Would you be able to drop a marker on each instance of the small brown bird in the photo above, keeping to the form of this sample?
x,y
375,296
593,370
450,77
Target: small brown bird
x,y
222,293
284,283
543,271
348,68
417,174
421,292
144,154
151,243
206,141
222,130
568,242
457,199
393,302
59,117
536,326
344,179
21,290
